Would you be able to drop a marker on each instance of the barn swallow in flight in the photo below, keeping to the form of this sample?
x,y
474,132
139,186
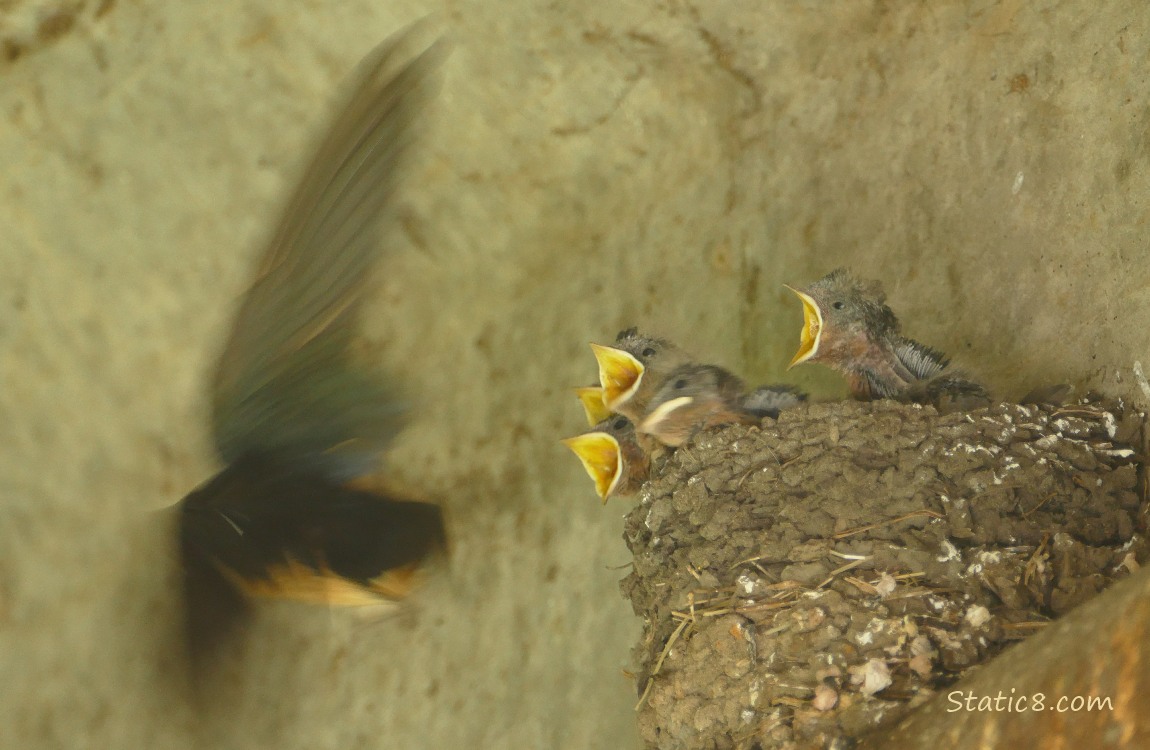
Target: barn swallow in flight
x,y
696,397
594,408
848,326
613,457
633,369
297,423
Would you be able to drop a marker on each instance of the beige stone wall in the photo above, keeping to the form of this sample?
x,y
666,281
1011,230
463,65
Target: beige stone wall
x,y
589,166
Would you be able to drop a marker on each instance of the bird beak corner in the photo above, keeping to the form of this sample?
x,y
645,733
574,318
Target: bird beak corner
x,y
650,425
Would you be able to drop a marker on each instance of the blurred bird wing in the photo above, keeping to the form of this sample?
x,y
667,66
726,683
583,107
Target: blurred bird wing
x,y
285,382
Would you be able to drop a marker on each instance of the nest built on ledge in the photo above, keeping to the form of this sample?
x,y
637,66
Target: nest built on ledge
x,y
809,581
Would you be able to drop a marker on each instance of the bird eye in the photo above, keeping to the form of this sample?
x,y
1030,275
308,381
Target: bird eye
x,y
619,423
649,352
838,305
680,384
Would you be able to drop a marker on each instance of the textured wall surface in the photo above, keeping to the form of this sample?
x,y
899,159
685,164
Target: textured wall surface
x,y
589,166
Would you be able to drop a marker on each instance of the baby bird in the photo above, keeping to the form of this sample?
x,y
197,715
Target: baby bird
x,y
848,326
696,397
297,423
612,456
633,369
591,397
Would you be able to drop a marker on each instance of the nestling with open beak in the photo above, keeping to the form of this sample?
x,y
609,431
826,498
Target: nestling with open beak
x,y
697,397
594,408
612,456
848,326
297,423
633,369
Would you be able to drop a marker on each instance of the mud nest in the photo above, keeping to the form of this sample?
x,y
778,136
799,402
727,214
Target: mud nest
x,y
817,578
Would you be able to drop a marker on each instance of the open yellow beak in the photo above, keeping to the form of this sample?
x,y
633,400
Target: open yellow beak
x,y
619,374
593,407
812,329
601,457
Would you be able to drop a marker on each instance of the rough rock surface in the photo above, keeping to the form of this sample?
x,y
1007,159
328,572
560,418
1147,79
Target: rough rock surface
x,y
820,576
